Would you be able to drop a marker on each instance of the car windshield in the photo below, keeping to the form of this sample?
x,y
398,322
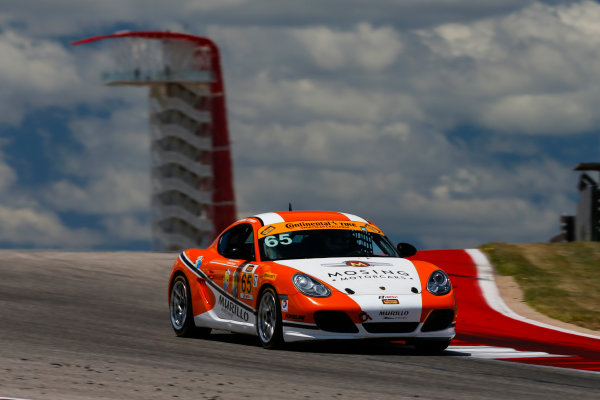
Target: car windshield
x,y
322,243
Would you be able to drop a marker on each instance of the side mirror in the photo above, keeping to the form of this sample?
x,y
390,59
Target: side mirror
x,y
406,249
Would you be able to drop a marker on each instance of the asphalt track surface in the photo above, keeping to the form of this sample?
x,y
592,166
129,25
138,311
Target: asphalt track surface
x,y
95,325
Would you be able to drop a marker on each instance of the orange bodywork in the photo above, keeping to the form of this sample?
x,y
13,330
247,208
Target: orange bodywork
x,y
234,286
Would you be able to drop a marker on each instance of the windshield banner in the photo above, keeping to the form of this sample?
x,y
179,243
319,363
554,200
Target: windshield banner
x,y
283,227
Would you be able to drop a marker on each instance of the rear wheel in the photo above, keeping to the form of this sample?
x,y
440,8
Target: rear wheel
x,y
431,347
268,320
180,307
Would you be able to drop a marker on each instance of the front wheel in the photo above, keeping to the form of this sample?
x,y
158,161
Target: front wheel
x,y
268,320
180,307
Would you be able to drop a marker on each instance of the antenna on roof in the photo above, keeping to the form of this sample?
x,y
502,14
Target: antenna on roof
x,y
290,207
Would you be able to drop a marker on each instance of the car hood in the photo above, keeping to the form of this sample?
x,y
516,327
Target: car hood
x,y
362,275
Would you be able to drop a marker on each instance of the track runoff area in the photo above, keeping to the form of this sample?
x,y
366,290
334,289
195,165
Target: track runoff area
x,y
487,328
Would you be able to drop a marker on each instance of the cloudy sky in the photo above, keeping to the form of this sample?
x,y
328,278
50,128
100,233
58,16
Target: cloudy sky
x,y
449,123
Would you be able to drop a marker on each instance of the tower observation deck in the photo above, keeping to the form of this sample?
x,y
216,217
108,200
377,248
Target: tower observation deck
x,y
192,195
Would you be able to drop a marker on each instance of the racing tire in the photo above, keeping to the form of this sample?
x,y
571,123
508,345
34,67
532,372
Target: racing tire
x,y
180,310
268,320
431,347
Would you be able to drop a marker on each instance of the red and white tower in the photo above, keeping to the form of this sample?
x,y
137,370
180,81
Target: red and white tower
x,y
192,178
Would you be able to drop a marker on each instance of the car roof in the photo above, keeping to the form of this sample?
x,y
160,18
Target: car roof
x,y
292,216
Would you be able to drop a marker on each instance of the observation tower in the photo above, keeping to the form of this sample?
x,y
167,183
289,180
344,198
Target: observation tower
x,y
191,170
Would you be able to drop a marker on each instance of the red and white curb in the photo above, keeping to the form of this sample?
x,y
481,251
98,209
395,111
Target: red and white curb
x,y
485,273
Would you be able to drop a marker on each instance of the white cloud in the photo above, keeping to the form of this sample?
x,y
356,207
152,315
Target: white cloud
x,y
460,40
20,226
414,184
265,97
33,72
371,49
532,72
121,139
542,114
114,192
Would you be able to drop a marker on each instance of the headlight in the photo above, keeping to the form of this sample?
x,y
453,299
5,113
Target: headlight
x,y
438,283
310,286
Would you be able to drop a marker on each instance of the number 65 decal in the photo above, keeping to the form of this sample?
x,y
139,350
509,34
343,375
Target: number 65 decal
x,y
246,286
282,238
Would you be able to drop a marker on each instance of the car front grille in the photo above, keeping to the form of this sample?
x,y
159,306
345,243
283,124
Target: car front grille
x,y
390,327
335,321
438,320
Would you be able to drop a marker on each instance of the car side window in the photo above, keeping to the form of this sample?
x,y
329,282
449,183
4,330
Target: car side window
x,y
237,243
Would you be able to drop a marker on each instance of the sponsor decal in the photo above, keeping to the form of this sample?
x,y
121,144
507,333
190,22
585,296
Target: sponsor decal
x,y
269,276
226,279
388,297
322,224
368,274
373,229
234,282
369,264
394,314
390,301
357,264
364,317
232,308
246,286
284,302
255,280
267,230
250,268
295,317
283,227
199,261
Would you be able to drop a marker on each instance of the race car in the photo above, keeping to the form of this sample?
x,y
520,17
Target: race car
x,y
311,275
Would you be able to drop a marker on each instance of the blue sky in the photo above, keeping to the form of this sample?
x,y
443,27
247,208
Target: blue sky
x,y
448,123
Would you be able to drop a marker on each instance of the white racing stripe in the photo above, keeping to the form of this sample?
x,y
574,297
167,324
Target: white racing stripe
x,y
270,218
353,217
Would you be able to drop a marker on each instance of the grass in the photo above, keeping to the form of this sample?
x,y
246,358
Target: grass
x,y
561,280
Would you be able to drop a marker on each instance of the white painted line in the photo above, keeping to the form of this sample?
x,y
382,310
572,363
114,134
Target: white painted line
x,y
491,352
490,292
11,398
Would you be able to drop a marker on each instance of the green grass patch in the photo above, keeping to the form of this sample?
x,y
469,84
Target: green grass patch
x,y
561,280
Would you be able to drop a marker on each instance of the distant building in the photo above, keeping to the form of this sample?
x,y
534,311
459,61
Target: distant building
x,y
586,224
192,178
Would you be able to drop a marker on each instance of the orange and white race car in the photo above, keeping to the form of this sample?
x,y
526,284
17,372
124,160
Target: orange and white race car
x,y
311,275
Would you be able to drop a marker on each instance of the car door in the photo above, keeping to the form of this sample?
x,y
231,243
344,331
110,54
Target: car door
x,y
235,249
